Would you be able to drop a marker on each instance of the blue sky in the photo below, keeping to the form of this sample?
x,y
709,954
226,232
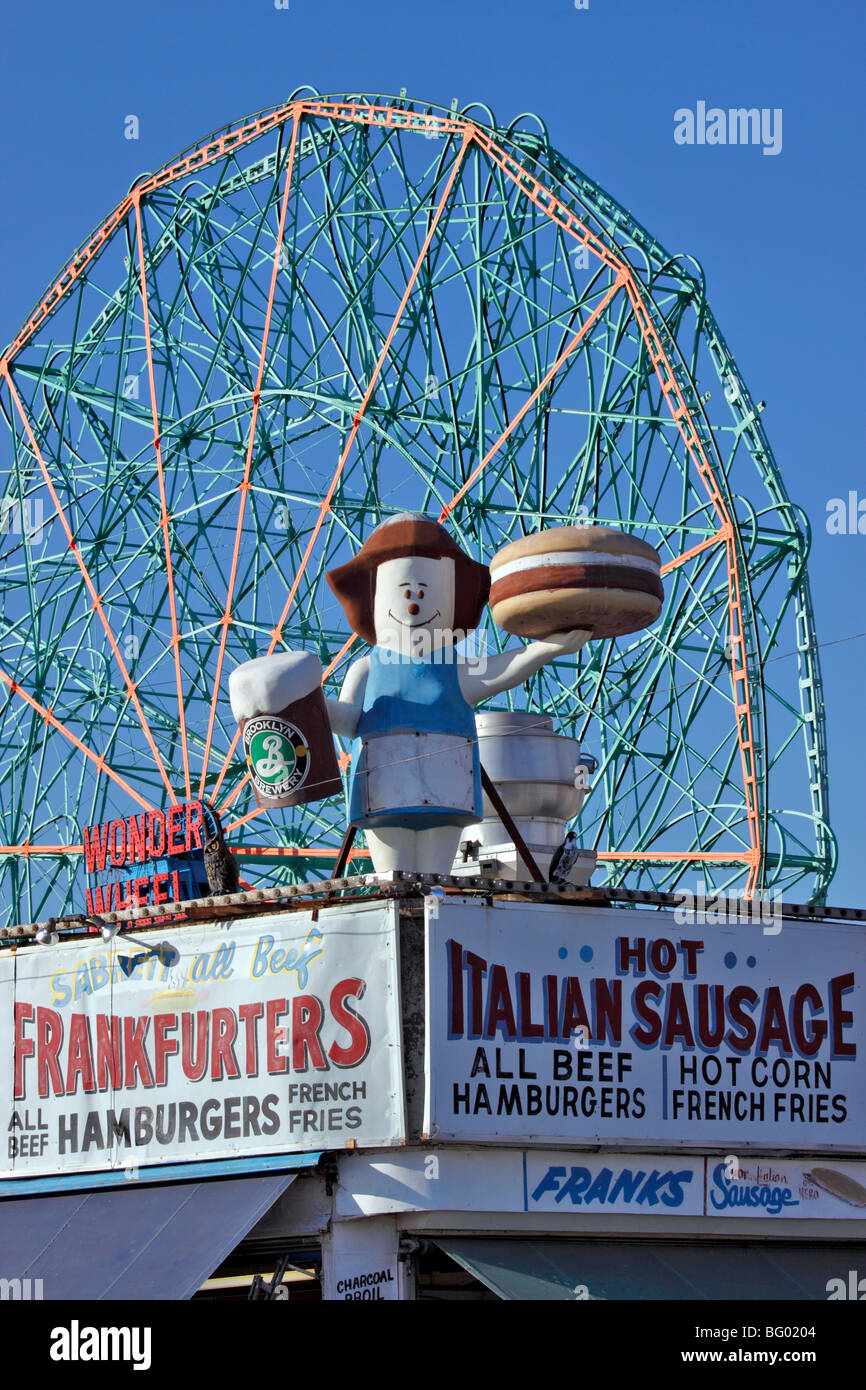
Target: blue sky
x,y
779,236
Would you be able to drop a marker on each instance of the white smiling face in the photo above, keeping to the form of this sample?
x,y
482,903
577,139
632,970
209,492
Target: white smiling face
x,y
414,607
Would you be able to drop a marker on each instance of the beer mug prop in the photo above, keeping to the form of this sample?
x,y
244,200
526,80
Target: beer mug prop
x,y
287,740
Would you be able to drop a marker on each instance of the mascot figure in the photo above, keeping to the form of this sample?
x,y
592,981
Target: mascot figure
x,y
415,776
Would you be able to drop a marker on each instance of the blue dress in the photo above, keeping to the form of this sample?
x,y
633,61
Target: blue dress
x,y
408,695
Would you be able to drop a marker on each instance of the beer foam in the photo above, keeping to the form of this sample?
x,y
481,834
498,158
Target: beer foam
x,y
268,684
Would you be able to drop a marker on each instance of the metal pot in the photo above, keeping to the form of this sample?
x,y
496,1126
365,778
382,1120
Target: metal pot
x,y
533,767
536,772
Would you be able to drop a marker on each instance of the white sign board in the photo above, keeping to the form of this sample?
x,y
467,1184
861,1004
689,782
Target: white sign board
x,y
645,1184
361,1264
277,1035
785,1187
568,1025
571,1182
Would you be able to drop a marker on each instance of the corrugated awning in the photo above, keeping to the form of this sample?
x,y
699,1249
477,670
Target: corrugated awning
x,y
561,1270
159,1241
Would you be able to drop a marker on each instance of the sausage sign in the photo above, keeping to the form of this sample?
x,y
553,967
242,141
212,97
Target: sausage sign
x,y
612,1026
278,1035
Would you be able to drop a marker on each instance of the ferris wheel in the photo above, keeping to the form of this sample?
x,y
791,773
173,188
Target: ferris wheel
x,y
338,310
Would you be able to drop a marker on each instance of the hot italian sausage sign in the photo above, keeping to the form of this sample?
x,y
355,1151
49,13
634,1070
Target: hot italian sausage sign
x,y
277,1035
560,1025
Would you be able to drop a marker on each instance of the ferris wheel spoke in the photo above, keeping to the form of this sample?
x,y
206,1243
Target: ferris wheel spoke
x,y
625,738
234,793
723,534
530,401
356,422
50,718
164,515
243,820
227,617
96,598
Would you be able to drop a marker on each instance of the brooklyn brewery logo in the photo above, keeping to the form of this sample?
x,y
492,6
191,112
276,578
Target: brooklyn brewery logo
x,y
277,755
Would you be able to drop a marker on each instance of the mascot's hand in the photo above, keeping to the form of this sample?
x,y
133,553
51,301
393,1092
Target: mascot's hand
x,y
565,642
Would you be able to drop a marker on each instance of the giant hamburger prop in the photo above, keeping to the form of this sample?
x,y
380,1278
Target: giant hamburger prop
x,y
571,577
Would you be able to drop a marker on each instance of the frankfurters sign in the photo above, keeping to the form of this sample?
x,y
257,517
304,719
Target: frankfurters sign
x,y
146,859
280,1035
580,1025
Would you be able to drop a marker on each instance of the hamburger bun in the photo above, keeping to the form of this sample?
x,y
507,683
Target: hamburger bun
x,y
570,577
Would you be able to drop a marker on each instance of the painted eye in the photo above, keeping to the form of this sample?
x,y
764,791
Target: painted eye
x,y
407,593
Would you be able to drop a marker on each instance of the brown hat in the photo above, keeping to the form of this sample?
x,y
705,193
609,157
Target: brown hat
x,y
408,533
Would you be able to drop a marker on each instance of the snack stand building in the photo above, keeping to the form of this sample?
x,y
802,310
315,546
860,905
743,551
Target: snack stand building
x,y
438,1080
403,1087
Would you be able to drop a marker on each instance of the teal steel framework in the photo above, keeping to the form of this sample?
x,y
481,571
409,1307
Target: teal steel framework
x,y
342,308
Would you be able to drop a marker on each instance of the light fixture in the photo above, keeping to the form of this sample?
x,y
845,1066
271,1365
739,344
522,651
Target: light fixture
x,y
168,954
47,936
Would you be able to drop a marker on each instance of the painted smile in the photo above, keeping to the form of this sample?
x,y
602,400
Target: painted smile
x,y
422,623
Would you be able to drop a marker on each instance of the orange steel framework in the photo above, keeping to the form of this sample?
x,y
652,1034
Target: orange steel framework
x,y
673,382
